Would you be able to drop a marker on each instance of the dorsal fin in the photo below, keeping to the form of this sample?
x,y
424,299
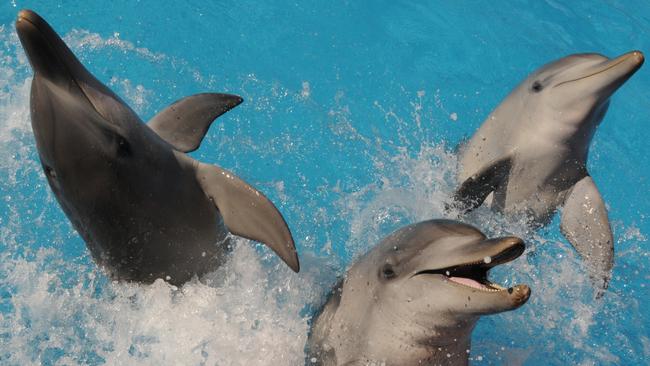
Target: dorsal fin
x,y
184,123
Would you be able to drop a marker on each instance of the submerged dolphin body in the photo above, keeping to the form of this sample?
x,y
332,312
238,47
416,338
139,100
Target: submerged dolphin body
x,y
531,152
145,209
415,298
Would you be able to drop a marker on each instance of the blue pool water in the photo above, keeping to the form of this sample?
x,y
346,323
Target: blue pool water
x,y
352,112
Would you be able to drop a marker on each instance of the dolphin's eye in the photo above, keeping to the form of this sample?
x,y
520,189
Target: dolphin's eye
x,y
387,271
123,147
537,87
49,172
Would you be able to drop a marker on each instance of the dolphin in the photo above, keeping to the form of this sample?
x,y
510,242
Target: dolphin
x,y
531,153
415,298
145,209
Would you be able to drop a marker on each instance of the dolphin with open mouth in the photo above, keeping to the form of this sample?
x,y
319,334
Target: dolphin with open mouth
x,y
415,298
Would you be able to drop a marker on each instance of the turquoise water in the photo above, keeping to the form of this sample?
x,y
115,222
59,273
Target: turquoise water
x,y
352,112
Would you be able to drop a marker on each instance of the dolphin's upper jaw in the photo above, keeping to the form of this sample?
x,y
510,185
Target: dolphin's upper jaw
x,y
610,74
474,273
28,16
48,55
55,64
40,43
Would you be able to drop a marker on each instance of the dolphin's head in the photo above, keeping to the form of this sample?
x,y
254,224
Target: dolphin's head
x,y
78,123
577,88
432,278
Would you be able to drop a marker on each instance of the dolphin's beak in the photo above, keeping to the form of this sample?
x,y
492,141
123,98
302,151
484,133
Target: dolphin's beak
x,y
46,51
634,59
52,60
610,75
621,67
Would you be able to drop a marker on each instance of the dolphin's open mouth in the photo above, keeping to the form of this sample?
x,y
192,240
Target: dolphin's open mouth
x,y
475,274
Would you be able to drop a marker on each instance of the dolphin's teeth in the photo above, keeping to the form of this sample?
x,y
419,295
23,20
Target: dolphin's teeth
x,y
472,274
468,282
497,286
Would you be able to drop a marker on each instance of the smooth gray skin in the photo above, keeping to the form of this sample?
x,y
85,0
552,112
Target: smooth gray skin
x,y
531,152
388,311
145,209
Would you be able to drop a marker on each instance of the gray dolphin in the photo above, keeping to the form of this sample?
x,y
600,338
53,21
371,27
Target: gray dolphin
x,y
531,152
415,298
145,209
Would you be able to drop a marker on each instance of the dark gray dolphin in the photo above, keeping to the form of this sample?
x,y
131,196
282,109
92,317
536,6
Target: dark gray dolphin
x,y
531,152
145,209
415,298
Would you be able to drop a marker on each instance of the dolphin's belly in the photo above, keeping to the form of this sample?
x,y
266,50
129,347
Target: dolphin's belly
x,y
536,186
141,236
538,204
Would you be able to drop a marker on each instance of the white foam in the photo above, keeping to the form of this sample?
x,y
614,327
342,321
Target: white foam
x,y
137,96
81,40
306,90
244,316
15,125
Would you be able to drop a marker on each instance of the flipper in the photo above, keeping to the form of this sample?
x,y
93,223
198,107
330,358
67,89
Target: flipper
x,y
184,123
585,225
247,212
476,188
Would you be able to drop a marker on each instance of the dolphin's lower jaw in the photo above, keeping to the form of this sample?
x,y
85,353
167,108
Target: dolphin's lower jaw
x,y
474,274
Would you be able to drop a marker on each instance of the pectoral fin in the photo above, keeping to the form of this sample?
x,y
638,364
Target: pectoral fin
x,y
184,123
247,212
586,227
476,188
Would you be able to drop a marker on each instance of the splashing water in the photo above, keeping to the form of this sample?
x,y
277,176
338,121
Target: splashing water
x,y
56,307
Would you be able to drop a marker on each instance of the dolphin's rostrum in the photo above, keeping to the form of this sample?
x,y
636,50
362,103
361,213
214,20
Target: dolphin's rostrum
x,y
531,152
145,209
415,298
